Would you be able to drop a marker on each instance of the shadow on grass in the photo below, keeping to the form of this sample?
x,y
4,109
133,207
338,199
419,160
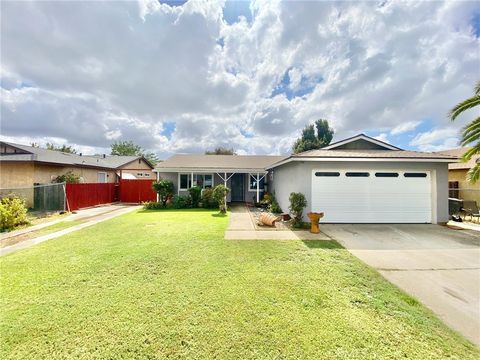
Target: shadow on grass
x,y
322,244
172,210
219,215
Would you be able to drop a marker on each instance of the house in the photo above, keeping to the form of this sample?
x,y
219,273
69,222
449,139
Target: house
x,y
24,166
356,180
459,187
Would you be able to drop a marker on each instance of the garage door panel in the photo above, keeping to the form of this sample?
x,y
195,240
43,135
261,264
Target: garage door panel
x,y
372,199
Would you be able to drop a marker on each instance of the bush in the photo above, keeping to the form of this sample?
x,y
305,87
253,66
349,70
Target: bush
x,y
69,177
153,205
219,194
164,189
195,194
13,212
208,200
297,204
181,202
275,208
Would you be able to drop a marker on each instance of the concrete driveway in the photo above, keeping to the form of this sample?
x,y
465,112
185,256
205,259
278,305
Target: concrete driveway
x,y
437,265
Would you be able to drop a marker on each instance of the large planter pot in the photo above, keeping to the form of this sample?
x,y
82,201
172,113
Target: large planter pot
x,y
314,219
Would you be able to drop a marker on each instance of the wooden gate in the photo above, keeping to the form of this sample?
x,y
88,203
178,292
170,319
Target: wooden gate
x,y
137,191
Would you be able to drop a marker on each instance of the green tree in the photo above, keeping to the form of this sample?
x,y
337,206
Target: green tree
x,y
220,193
314,136
69,177
470,133
164,189
129,148
221,151
64,148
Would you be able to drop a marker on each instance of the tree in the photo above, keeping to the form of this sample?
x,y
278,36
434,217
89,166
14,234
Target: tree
x,y
298,202
221,151
69,177
220,193
129,148
312,139
64,148
164,189
470,133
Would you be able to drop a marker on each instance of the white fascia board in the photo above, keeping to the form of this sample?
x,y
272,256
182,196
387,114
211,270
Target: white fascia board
x,y
344,159
208,170
361,137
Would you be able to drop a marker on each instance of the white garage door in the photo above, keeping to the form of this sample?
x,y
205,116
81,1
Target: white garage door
x,y
372,196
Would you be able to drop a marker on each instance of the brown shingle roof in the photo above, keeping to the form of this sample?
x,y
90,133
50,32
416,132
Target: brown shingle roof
x,y
458,152
218,162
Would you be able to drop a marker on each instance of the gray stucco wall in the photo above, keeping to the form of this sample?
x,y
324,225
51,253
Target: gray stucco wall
x,y
248,195
297,177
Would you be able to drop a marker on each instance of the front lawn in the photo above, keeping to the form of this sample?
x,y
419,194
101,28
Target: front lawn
x,y
165,284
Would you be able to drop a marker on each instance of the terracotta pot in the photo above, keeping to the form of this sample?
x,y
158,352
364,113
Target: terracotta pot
x,y
267,219
314,219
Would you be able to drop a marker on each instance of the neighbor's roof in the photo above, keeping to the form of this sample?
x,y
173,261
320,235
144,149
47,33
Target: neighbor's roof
x,y
217,163
458,152
37,154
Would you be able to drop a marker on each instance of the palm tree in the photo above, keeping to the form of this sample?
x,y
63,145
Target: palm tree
x,y
470,133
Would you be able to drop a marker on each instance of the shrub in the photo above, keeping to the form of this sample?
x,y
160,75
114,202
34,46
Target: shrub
x,y
196,194
208,200
153,205
275,208
69,177
219,194
13,212
181,202
164,189
297,204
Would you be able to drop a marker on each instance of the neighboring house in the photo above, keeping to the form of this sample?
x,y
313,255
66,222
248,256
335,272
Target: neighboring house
x,y
458,185
24,166
356,180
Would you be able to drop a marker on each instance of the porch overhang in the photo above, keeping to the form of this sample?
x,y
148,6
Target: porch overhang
x,y
211,170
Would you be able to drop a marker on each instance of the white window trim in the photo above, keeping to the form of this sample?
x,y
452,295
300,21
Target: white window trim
x,y
106,179
262,177
189,178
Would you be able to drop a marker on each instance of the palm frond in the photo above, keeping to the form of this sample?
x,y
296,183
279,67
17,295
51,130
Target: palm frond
x,y
471,152
471,132
473,174
464,105
477,88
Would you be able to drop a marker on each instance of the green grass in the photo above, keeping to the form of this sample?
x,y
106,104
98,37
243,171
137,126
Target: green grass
x,y
166,284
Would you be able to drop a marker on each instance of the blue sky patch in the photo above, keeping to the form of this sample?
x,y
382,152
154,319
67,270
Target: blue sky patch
x,y
173,2
234,9
476,24
305,87
169,128
246,134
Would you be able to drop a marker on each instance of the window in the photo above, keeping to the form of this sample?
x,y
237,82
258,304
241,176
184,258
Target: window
x,y
202,180
146,175
252,183
101,177
415,175
139,174
327,173
384,174
357,174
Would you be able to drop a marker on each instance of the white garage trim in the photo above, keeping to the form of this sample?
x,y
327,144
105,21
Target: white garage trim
x,y
374,195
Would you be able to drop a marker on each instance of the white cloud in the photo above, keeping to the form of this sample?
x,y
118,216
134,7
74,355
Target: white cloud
x,y
437,139
405,127
91,73
382,137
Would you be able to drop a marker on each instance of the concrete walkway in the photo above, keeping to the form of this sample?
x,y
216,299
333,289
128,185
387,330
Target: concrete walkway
x,y
241,227
96,215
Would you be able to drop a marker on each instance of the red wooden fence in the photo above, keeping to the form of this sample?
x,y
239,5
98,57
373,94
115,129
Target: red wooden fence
x,y
85,195
136,191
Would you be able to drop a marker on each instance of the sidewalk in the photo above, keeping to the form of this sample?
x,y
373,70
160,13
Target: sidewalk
x,y
96,215
241,227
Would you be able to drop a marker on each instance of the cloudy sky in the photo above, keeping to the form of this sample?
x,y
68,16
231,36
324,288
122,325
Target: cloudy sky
x,y
189,76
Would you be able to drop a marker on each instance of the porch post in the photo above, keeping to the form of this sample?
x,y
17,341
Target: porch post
x,y
191,185
225,183
258,188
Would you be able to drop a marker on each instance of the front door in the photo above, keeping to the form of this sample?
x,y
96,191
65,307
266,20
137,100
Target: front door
x,y
237,183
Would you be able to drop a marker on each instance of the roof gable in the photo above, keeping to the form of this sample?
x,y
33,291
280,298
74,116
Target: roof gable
x,y
361,142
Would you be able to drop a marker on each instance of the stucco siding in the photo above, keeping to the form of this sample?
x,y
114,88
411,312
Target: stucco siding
x,y
44,173
137,167
297,177
14,175
467,190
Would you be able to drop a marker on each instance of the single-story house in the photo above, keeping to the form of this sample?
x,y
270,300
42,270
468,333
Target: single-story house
x,y
23,166
458,185
356,180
